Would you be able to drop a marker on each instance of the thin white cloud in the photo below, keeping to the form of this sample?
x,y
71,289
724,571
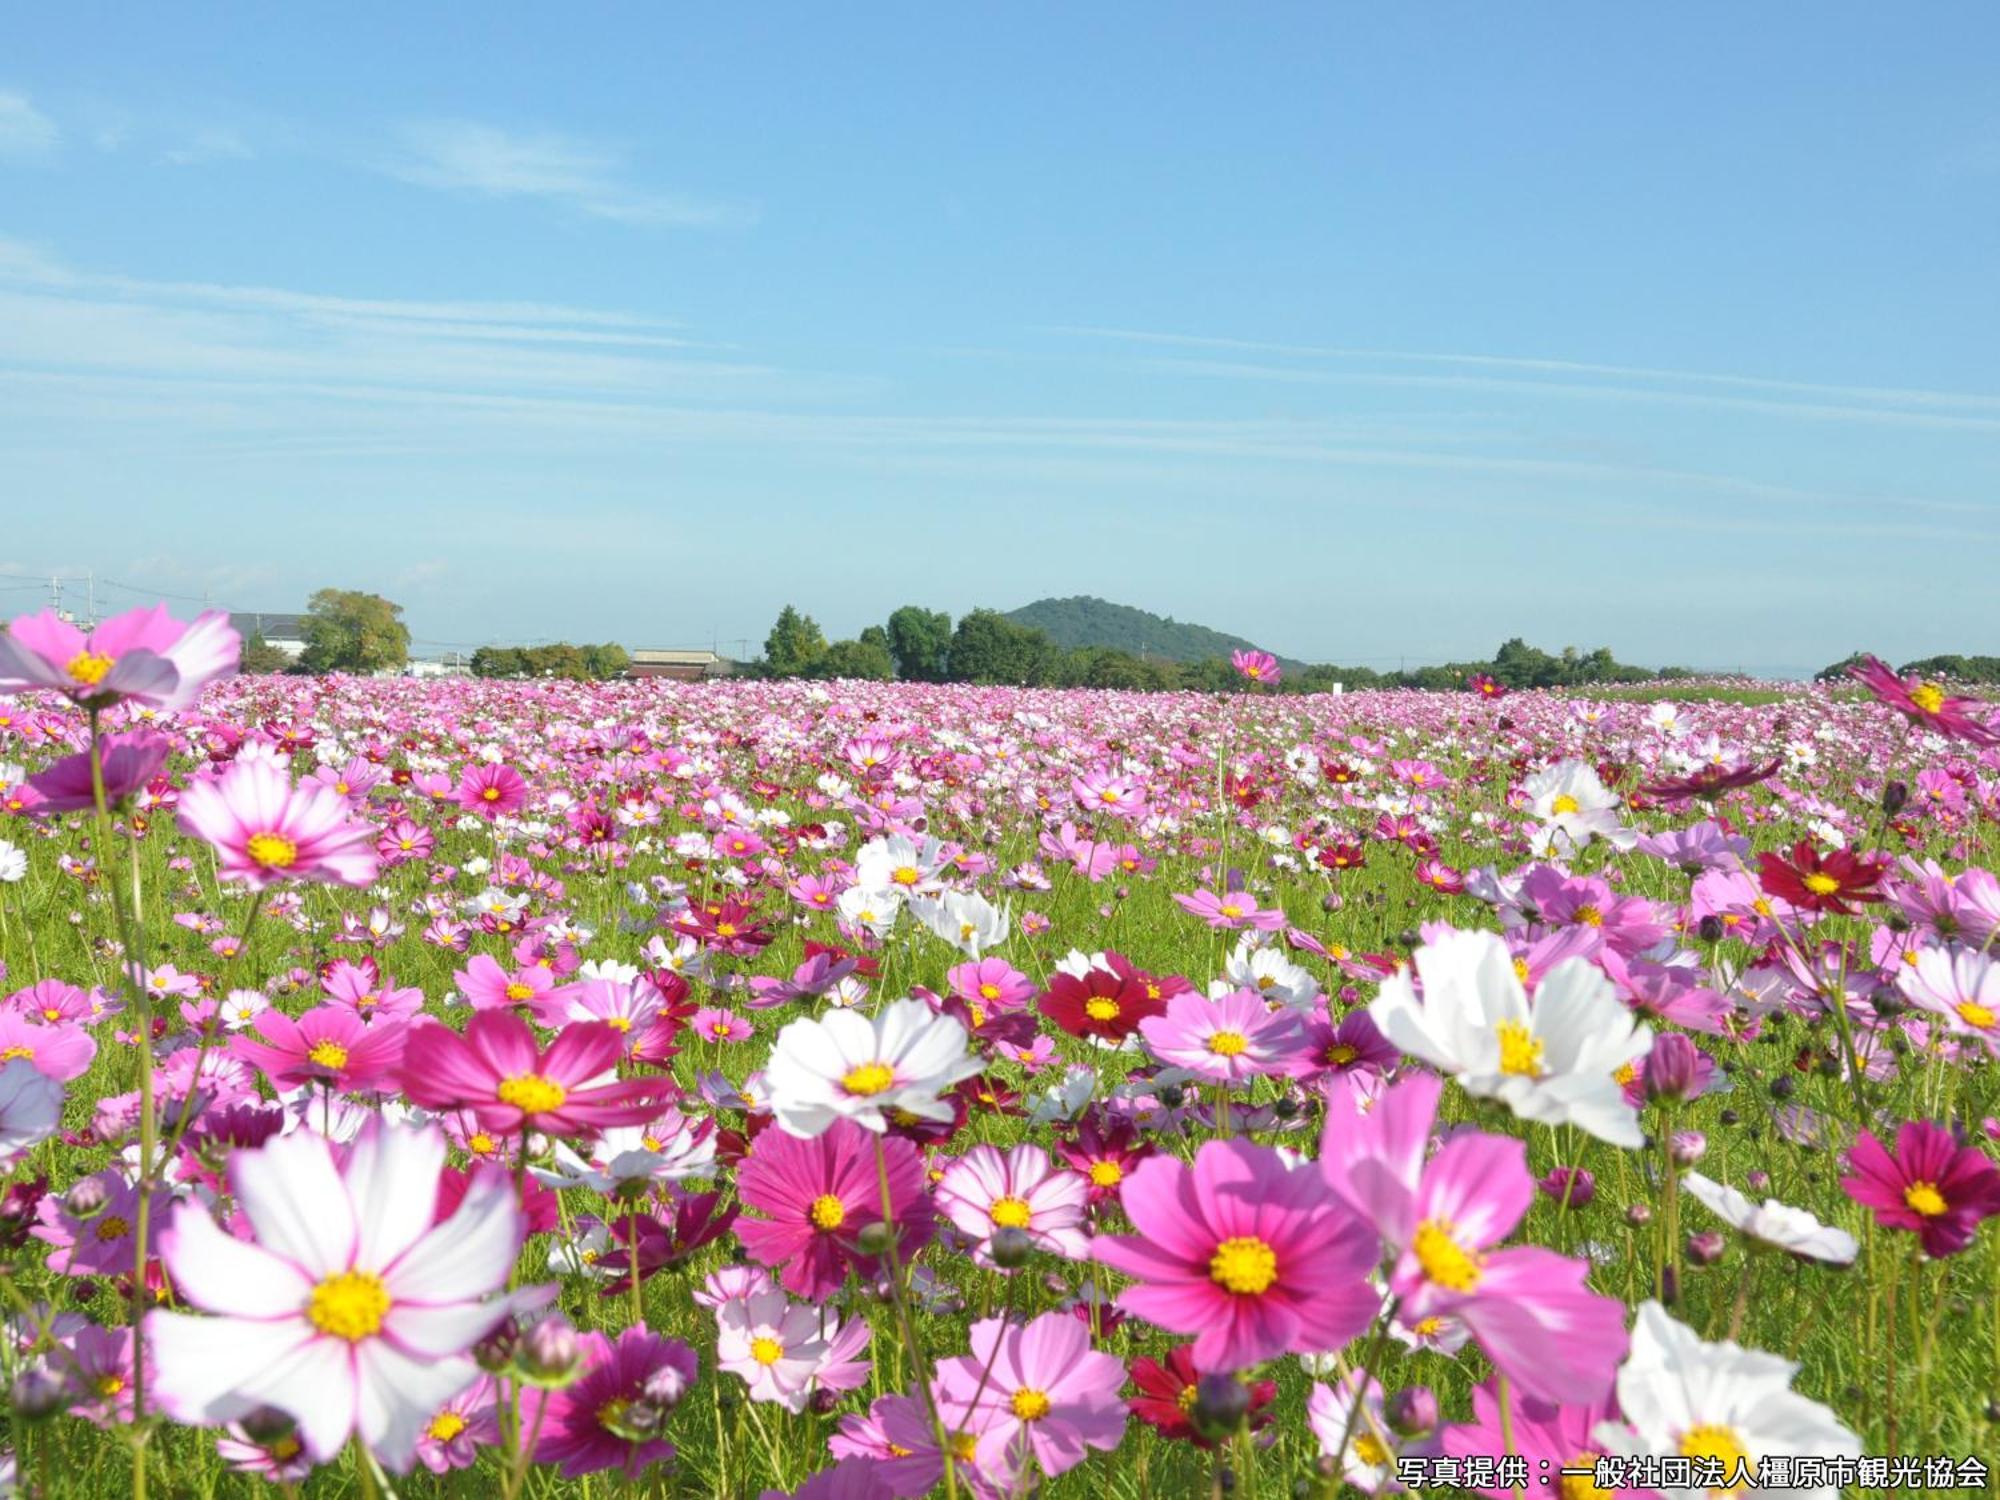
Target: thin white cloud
x,y
208,144
464,156
26,134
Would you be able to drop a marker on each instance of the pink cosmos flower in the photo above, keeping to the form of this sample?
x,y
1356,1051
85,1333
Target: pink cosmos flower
x,y
712,1023
264,829
990,984
588,1426
491,790
1923,703
369,993
1230,912
1930,1184
1254,1259
460,1428
1045,1396
143,654
853,1479
1105,791
1958,984
404,841
329,1044
498,1072
806,1200
1551,1438
130,761
1257,666
102,1245
58,1050
487,986
987,1190
1529,1308
772,1344
348,1309
1231,1040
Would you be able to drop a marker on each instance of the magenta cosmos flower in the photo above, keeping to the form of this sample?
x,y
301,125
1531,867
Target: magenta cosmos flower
x,y
1254,1259
806,1200
491,790
1229,912
1923,703
129,762
1039,1393
144,654
1529,1308
329,1044
590,1425
1257,666
264,829
1930,1184
987,1190
1231,1039
497,1071
349,1309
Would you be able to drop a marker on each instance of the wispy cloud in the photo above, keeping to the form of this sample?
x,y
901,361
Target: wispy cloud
x,y
26,134
464,156
206,144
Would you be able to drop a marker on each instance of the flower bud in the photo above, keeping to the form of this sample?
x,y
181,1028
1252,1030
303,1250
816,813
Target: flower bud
x,y
1687,1147
1638,1215
1221,1402
665,1387
1706,1248
1331,902
1570,1185
1782,1086
1011,1248
549,1352
1412,1411
1758,1182
1285,1108
495,1353
38,1393
1895,796
1173,1096
87,1199
1709,929
1670,1069
267,1426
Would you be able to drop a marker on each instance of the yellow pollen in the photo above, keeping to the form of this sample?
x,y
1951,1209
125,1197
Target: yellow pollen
x,y
480,1144
1107,795
272,850
827,1212
1926,695
1625,1075
491,794
1442,1258
612,1412
1267,981
1590,916
110,1385
1520,1050
897,1450
520,991
1244,1265
1106,1174
1231,910
1565,803
1761,906
651,1142
1187,1398
1029,1404
963,1446
977,1015
1925,1199
989,991
1098,1008
1228,1043
445,1426
112,1228
725,929
13,1052
618,1023
868,1080
1010,1213
1340,1054
1821,885
328,1054
50,1013
1969,1011
1521,970
532,1094
1712,1440
1368,1448
906,875
88,668
349,1306
766,1351
1427,1328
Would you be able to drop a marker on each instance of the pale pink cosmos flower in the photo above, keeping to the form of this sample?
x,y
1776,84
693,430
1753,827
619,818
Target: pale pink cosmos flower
x,y
349,1309
143,654
1036,1394
126,762
773,1344
987,1190
1257,666
1231,1039
264,829
1229,912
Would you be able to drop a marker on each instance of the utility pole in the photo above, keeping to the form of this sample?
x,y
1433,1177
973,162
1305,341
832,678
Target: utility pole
x,y
55,593
90,585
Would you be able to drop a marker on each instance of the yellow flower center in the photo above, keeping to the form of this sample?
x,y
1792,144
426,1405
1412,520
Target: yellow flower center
x,y
906,875
1244,1265
612,1412
1565,803
1711,1440
17,1051
827,1212
766,1351
1821,885
328,1054
111,1227
480,1144
1520,1050
1589,916
520,991
1340,1054
1029,1404
532,1094
491,794
1521,970
1187,1398
964,1445
1926,695
1924,1198
1969,1011
1443,1259
619,1023
272,850
1010,1213
1369,1449
868,1080
1106,1174
1427,1328
989,991
88,668
1098,1008
349,1306
1231,910
110,1385
1228,1043
445,1426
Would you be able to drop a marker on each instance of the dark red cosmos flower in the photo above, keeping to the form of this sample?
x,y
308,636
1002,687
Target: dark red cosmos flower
x,y
1166,1396
1105,1151
1711,781
727,926
1925,703
1107,1003
1348,854
1814,882
1485,685
666,1239
1929,1185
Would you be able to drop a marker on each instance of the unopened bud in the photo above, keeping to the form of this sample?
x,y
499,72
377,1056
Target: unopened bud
x,y
1572,1186
1285,1108
1758,1182
87,1199
1709,929
1706,1248
1331,902
1895,796
665,1386
495,1353
1412,1411
1173,1096
1011,1248
876,1238
1687,1147
549,1352
38,1393
1671,1068
1221,1402
1638,1215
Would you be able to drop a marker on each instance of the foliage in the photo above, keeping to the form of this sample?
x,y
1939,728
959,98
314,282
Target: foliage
x,y
920,640
348,630
261,658
794,644
559,659
1086,621
859,660
990,649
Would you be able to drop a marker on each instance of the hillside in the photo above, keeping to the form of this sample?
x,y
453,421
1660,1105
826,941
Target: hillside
x,y
1084,621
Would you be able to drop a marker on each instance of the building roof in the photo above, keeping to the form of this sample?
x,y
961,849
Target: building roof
x,y
272,627
648,656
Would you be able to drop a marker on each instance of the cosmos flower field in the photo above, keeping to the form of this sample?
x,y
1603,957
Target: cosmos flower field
x,y
855,1090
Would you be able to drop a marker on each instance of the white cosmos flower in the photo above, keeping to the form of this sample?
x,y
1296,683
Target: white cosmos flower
x,y
1266,970
1686,1398
844,1065
1552,1061
897,864
970,923
30,1107
1574,807
13,863
1775,1223
876,910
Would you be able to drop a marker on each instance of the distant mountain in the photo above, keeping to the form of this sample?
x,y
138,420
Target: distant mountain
x,y
1084,621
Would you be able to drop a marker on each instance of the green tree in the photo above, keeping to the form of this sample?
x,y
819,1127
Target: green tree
x,y
920,640
261,658
347,630
794,644
865,660
606,661
991,649
497,661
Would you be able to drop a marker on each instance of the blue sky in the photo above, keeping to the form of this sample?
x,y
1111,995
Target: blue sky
x,y
1363,331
